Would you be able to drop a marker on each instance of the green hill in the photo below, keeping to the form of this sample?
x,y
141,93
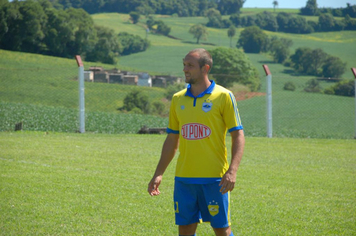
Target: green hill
x,y
48,81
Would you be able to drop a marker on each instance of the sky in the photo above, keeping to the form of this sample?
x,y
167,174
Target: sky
x,y
296,3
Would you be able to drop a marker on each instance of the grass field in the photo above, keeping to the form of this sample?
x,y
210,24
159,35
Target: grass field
x,y
95,184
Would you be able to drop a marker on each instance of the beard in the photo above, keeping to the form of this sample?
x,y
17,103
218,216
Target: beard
x,y
190,80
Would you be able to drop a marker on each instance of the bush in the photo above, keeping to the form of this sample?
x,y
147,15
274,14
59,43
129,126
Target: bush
x,y
136,100
313,86
132,43
158,108
290,86
342,88
172,89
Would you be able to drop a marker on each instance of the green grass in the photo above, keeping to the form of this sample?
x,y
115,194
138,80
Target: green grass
x,y
95,184
43,80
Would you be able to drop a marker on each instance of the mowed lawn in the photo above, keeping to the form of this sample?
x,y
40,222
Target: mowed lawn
x,y
96,184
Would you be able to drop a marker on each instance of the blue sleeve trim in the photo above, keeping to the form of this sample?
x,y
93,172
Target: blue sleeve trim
x,y
236,128
169,131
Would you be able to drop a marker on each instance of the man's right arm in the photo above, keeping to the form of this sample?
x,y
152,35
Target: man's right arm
x,y
169,149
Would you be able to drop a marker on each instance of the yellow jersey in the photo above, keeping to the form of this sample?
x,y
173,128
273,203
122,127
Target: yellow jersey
x,y
202,123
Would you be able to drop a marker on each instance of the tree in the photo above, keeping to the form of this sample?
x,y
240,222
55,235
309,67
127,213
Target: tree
x,y
308,61
84,31
279,48
310,9
59,33
253,40
231,33
333,67
107,48
199,31
326,22
134,16
282,21
317,57
267,21
232,65
22,28
215,19
275,4
228,7
298,25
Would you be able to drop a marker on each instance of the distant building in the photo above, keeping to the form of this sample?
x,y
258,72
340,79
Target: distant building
x,y
144,79
165,80
88,76
116,78
130,79
98,74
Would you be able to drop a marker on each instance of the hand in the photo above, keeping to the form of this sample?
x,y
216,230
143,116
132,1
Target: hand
x,y
153,185
227,182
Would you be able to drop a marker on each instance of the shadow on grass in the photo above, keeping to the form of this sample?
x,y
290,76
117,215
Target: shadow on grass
x,y
190,42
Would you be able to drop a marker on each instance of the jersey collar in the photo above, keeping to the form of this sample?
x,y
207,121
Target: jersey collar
x,y
209,90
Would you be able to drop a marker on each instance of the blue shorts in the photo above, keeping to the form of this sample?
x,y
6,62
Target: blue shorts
x,y
195,203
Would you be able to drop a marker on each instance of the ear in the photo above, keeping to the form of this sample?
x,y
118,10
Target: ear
x,y
206,68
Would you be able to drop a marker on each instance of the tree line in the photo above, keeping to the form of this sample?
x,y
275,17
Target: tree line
x,y
283,22
39,27
146,7
188,7
215,9
311,9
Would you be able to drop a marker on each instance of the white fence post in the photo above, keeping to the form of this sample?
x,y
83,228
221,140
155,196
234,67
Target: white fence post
x,y
354,72
81,94
269,100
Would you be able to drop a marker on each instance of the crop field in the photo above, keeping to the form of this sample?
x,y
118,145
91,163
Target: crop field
x,y
96,184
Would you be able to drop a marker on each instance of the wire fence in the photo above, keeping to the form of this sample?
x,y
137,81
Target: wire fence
x,y
46,99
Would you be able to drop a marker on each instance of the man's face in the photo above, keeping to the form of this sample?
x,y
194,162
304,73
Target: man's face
x,y
192,70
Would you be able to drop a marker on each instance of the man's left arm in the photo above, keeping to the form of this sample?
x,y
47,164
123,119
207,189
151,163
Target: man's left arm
x,y
227,182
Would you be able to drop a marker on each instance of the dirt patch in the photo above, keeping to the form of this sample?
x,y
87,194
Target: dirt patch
x,y
246,95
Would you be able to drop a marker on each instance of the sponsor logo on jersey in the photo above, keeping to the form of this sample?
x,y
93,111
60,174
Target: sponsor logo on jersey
x,y
195,131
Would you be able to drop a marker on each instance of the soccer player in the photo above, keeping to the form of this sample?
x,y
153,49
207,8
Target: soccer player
x,y
199,119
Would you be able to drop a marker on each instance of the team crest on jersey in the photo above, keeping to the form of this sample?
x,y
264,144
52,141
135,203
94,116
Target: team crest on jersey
x,y
195,131
213,208
207,104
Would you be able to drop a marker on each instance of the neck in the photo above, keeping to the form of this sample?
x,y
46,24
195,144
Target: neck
x,y
198,88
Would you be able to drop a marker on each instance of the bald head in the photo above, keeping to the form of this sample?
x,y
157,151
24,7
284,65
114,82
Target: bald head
x,y
204,57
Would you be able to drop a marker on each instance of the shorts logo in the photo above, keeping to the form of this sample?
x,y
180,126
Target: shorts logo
x,y
207,105
213,208
195,131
